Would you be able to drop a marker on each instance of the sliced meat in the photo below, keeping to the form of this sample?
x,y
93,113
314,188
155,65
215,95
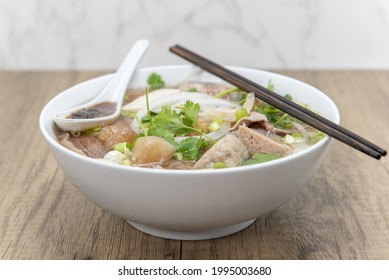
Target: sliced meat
x,y
258,120
258,143
229,150
64,141
86,145
270,127
253,117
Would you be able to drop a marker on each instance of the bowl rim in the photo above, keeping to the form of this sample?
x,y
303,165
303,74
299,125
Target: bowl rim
x,y
55,144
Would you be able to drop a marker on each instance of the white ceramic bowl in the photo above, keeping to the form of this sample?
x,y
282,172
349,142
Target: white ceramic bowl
x,y
189,204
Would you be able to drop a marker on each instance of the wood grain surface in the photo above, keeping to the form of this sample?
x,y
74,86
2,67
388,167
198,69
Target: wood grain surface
x,y
343,213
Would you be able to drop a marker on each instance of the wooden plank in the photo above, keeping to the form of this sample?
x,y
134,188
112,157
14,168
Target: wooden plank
x,y
343,213
42,216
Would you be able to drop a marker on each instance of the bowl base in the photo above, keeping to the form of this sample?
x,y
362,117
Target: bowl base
x,y
191,234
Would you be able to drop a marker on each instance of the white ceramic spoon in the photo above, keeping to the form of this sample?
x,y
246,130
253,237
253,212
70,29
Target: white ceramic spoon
x,y
113,92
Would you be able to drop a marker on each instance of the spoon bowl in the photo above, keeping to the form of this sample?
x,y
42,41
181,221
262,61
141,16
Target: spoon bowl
x,y
113,94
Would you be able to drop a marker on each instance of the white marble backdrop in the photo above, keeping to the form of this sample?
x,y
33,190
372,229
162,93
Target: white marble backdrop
x,y
290,34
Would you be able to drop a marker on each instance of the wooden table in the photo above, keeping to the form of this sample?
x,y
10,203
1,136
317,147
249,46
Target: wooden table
x,y
343,213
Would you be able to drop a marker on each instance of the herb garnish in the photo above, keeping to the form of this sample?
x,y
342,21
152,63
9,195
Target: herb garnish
x,y
170,123
259,158
189,148
179,124
276,116
155,81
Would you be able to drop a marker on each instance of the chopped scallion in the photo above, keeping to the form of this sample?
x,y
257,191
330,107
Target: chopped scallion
x,y
122,147
214,126
218,165
228,91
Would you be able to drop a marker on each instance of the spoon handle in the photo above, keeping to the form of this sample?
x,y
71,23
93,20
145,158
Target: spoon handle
x,y
119,82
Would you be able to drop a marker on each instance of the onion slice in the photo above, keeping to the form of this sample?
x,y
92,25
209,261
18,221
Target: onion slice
x,y
249,102
303,131
140,102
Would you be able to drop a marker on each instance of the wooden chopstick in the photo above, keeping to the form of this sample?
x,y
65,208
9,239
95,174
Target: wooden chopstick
x,y
330,128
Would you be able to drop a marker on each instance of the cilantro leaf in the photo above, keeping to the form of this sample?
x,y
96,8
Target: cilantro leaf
x,y
191,112
276,116
148,117
270,85
155,81
162,133
189,148
288,96
192,89
259,158
169,120
169,123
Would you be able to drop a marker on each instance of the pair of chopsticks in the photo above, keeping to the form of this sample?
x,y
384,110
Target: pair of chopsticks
x,y
280,102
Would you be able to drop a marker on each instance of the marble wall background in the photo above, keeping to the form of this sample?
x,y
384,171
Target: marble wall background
x,y
96,34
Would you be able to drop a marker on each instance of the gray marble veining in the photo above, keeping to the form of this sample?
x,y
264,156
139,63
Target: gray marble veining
x,y
87,34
